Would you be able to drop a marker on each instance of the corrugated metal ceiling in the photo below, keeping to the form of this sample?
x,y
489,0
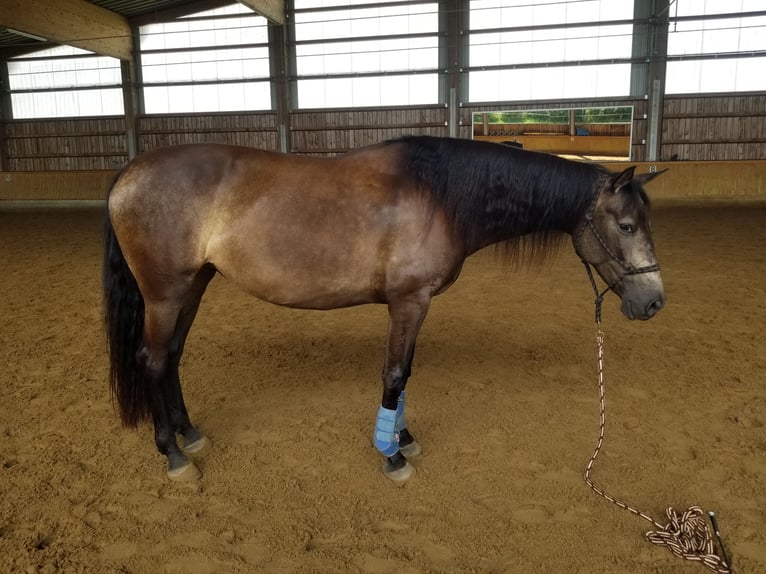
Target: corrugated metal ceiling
x,y
130,8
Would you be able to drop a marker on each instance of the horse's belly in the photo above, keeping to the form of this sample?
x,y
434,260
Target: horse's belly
x,y
299,291
305,277
334,254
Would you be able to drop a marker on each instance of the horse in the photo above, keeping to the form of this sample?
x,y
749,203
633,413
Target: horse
x,y
391,223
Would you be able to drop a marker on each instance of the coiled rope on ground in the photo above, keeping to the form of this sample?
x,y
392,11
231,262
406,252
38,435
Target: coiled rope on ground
x,y
687,536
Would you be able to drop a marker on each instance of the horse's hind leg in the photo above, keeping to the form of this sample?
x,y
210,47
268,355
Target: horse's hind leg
x,y
194,442
167,320
160,321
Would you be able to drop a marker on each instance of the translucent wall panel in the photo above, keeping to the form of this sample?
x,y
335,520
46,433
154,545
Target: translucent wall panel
x,y
550,83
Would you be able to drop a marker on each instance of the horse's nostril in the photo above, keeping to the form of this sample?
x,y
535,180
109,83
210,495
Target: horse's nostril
x,y
654,306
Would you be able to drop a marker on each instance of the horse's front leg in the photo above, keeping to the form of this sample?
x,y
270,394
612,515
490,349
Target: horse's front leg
x,y
392,438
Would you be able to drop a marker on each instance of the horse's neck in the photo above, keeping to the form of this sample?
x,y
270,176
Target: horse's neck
x,y
542,208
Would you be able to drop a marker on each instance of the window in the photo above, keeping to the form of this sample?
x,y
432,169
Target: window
x,y
711,53
212,61
65,82
549,49
364,55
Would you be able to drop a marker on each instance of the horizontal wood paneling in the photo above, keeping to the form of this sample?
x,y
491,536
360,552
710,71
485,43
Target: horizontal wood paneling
x,y
66,144
245,129
101,143
331,132
721,127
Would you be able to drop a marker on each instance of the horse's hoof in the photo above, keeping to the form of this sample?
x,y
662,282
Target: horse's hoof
x,y
411,450
400,475
199,446
186,473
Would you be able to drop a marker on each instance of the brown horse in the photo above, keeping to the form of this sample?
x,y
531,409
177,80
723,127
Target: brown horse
x,y
391,223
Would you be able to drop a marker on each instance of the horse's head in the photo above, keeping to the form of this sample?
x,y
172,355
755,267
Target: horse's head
x,y
614,236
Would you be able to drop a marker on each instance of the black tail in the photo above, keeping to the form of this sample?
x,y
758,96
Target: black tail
x,y
124,322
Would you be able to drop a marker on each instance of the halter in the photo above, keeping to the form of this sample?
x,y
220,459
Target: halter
x,y
629,268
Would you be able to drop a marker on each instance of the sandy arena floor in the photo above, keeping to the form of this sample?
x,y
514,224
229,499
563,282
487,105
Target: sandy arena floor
x,y
503,399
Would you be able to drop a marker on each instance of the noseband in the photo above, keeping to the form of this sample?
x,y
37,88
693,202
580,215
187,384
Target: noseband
x,y
628,268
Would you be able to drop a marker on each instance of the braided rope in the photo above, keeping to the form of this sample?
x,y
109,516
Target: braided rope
x,y
687,536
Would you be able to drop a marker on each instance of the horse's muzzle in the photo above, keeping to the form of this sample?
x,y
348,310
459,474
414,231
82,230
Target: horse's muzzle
x,y
642,309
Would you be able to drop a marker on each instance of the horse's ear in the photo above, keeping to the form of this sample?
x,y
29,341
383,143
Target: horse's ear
x,y
623,178
643,178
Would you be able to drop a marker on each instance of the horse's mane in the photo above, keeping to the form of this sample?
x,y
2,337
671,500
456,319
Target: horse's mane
x,y
491,189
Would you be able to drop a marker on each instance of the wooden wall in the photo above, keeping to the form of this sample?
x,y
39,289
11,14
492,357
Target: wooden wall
x,y
101,143
714,127
66,144
245,129
330,132
730,127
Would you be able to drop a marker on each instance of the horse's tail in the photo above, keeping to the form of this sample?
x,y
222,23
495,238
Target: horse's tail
x,y
124,322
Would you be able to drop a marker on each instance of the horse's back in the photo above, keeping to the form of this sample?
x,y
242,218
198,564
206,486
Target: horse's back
x,y
175,174
210,174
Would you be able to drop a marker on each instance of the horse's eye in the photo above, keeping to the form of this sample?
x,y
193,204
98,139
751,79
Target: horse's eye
x,y
627,228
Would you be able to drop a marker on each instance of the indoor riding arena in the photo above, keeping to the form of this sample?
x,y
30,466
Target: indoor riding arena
x,y
505,386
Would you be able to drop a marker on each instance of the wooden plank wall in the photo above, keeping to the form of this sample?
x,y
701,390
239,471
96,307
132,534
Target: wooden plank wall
x,y
699,128
66,144
101,143
730,127
331,132
245,129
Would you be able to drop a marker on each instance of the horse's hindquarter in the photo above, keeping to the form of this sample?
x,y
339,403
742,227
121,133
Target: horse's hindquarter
x,y
326,233
161,208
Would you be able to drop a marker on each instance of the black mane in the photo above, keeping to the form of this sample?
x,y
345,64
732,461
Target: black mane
x,y
495,193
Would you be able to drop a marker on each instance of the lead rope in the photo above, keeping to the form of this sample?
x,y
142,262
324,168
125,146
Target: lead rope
x,y
686,536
